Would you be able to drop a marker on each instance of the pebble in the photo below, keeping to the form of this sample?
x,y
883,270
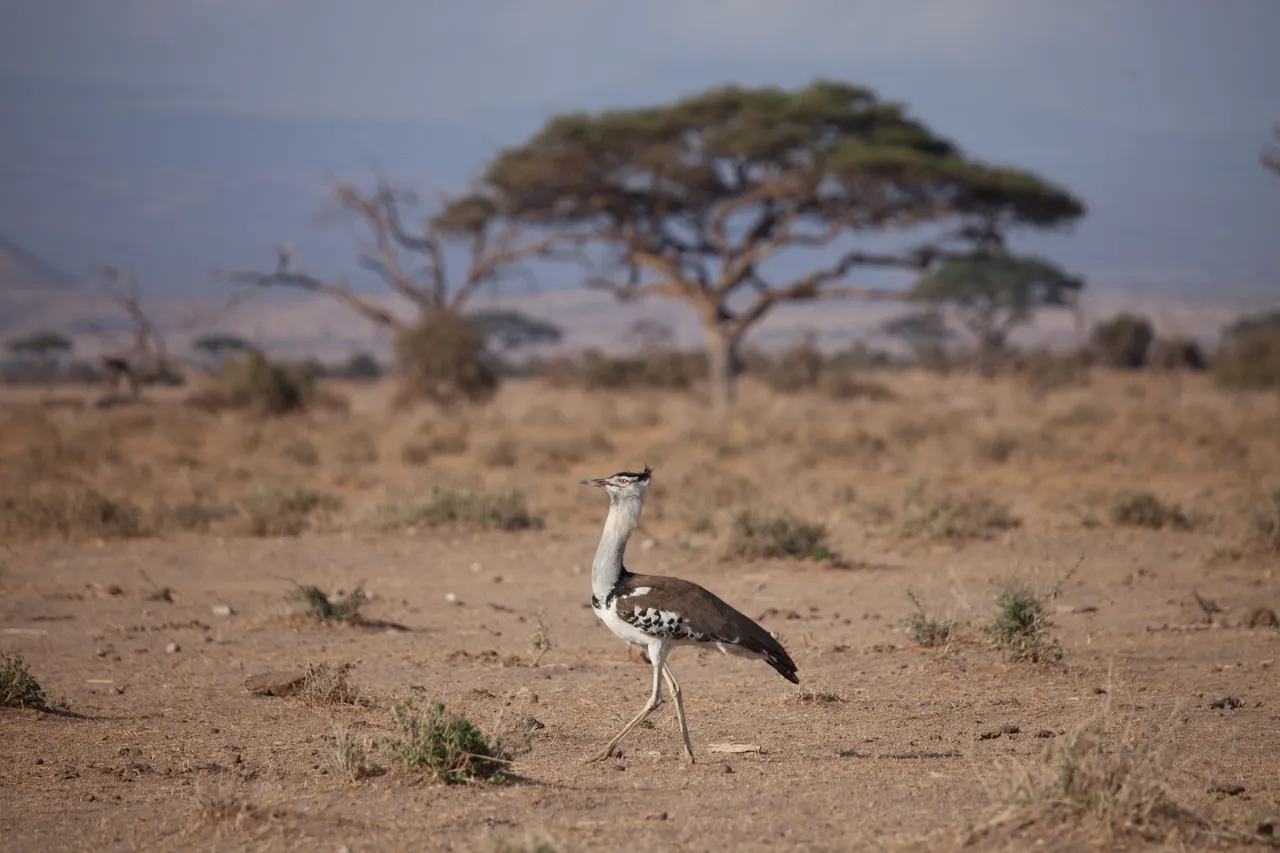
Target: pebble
x,y
172,648
451,598
222,610
475,567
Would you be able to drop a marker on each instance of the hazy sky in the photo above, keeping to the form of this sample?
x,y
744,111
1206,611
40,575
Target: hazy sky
x,y
175,136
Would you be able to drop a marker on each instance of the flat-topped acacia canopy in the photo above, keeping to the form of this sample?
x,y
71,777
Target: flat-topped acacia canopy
x,y
695,195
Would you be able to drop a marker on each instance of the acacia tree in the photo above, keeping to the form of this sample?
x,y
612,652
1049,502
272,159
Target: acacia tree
x,y
693,199
992,296
494,249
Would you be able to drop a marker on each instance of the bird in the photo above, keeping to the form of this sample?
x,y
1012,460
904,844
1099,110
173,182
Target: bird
x,y
660,613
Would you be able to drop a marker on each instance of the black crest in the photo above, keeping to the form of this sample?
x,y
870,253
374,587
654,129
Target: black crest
x,y
633,475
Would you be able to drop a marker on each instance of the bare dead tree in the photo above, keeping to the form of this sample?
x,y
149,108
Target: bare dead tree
x,y
494,245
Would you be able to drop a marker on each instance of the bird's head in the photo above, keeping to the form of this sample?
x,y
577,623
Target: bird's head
x,y
625,486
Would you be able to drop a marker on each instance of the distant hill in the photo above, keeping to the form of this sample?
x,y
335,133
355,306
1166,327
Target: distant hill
x,y
22,269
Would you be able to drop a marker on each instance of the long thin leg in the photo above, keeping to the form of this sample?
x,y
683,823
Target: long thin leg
x,y
684,725
658,654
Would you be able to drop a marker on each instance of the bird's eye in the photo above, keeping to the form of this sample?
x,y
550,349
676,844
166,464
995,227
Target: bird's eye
x,y
622,481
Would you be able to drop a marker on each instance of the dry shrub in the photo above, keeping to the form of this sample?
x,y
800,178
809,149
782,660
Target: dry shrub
x,y
1122,342
301,451
842,384
326,683
18,687
271,511
1023,621
665,369
443,360
1249,360
955,518
504,510
500,454
258,386
758,535
314,602
1266,522
68,511
1177,354
798,368
1143,509
446,746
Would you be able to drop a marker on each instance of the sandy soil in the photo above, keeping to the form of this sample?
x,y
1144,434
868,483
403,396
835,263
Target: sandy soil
x,y
886,744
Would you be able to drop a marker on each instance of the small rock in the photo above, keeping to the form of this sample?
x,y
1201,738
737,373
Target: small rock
x,y
1267,828
1044,733
725,768
656,816
476,567
531,724
1263,617
222,610
173,648
39,761
616,766
1227,703
450,597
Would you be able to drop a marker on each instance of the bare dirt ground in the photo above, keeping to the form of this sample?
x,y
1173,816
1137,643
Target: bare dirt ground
x,y
887,744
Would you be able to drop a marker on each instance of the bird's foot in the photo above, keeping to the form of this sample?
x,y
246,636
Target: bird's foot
x,y
607,752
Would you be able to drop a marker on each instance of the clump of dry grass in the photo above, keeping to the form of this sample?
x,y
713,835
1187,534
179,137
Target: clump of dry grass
x,y
272,511
442,359
327,683
1122,787
923,629
500,454
1143,509
446,505
18,687
955,518
1266,522
350,756
70,512
446,746
758,535
316,603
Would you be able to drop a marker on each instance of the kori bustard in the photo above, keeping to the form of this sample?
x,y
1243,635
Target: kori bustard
x,y
662,612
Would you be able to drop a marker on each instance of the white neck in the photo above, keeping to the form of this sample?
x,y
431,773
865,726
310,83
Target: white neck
x,y
606,568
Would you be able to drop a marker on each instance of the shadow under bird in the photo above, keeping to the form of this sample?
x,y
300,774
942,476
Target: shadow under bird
x,y
660,613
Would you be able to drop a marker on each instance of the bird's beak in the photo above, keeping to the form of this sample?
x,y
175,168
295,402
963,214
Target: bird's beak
x,y
595,482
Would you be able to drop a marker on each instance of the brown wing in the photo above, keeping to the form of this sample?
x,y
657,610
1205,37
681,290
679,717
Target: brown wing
x,y
675,608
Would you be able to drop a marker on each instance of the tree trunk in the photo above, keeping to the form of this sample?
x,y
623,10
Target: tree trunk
x,y
722,367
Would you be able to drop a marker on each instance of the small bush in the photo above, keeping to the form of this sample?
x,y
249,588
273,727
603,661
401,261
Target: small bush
x,y
18,687
316,603
665,369
923,630
1022,623
798,369
68,512
350,757
1044,372
846,385
326,683
282,512
1123,341
358,449
1143,509
1177,354
956,518
450,748
759,536
443,360
1249,360
487,510
415,453
259,386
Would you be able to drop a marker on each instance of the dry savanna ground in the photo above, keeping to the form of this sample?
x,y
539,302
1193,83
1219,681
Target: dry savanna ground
x,y
1022,621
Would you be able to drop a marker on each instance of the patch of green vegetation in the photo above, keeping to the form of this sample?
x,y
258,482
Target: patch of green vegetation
x,y
486,510
18,687
316,603
448,747
757,535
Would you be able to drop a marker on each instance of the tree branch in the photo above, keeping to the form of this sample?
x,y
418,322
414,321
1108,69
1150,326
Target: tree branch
x,y
285,275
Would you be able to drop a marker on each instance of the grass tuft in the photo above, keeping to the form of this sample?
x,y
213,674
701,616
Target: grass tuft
x,y
952,518
326,684
1143,509
923,629
756,535
486,510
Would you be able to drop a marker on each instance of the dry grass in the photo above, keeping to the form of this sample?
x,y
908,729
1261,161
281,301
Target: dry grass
x,y
327,684
316,603
18,687
91,473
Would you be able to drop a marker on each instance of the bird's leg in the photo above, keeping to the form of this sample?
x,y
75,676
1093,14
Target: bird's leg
x,y
674,686
658,653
